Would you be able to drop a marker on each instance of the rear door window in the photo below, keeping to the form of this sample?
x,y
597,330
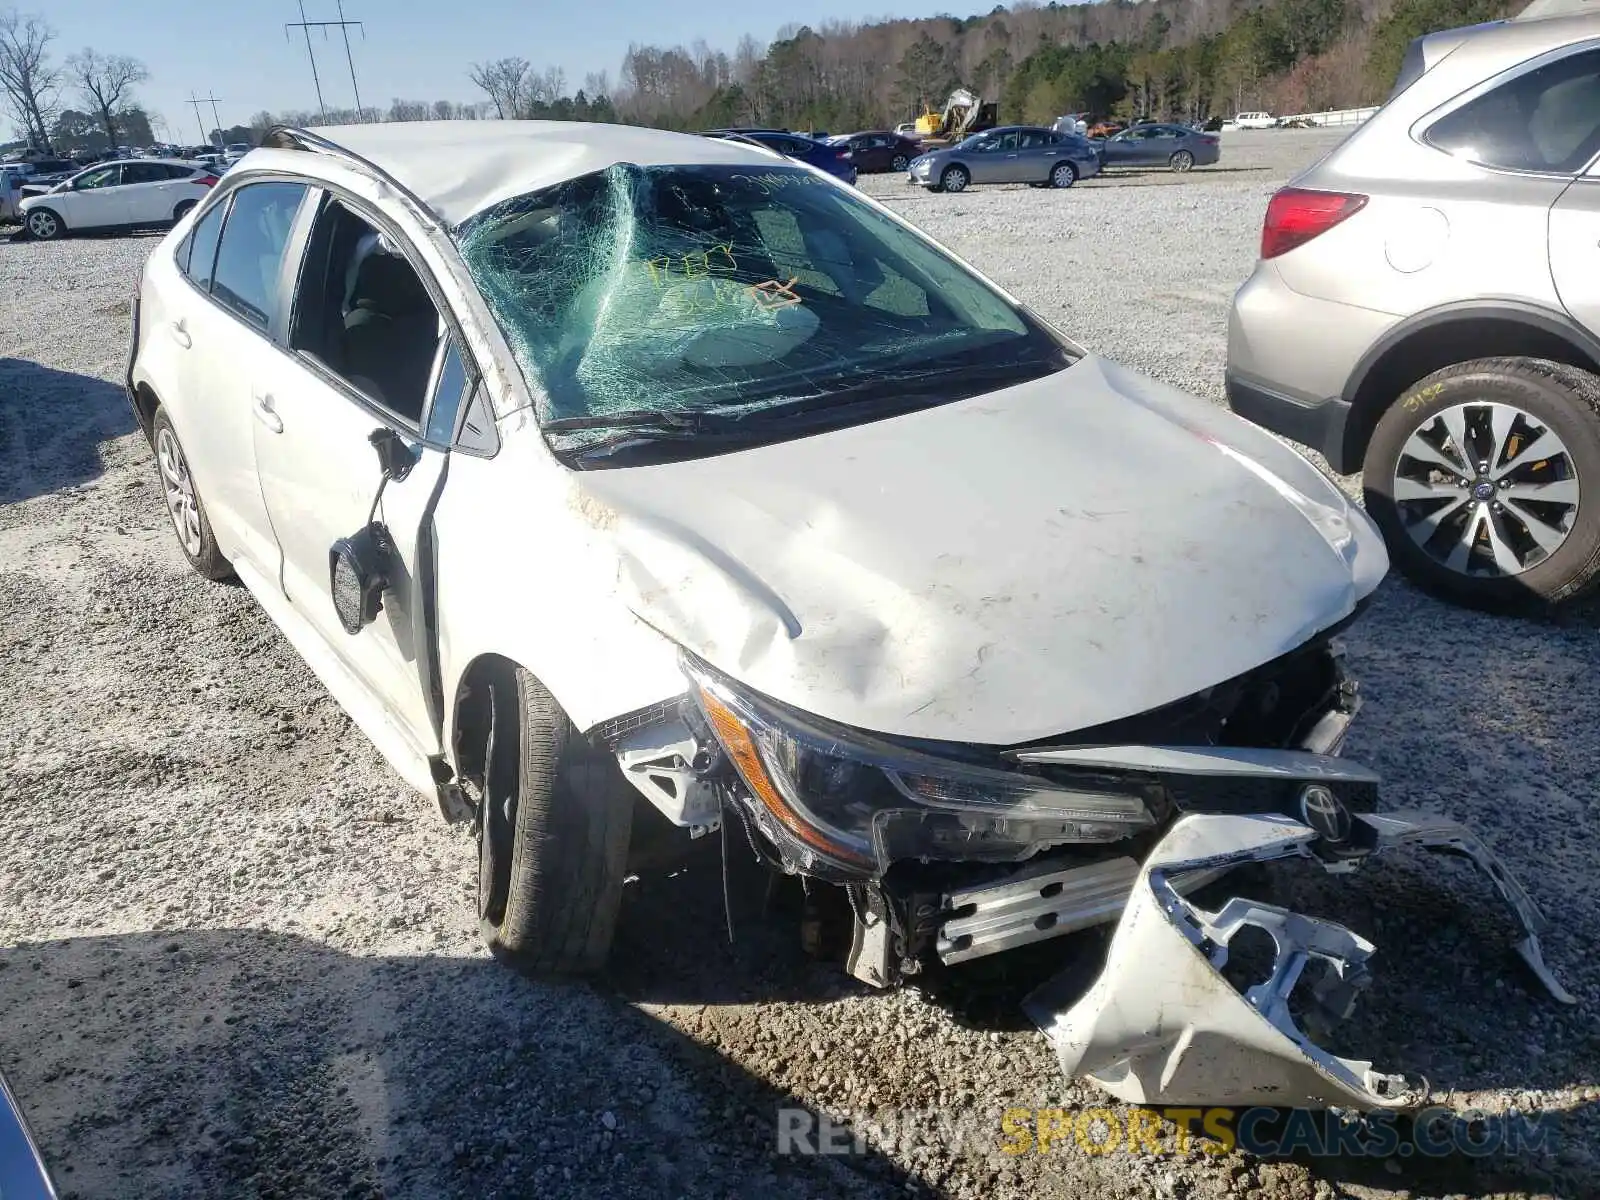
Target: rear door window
x,y
1546,120
198,254
250,257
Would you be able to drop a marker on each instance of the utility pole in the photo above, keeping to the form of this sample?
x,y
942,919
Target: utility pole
x,y
197,101
344,27
305,27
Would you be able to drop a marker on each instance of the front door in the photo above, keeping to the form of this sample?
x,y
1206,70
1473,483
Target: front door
x,y
363,343
95,199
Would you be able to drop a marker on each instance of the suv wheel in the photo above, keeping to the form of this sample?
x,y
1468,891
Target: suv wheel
x,y
1485,480
553,826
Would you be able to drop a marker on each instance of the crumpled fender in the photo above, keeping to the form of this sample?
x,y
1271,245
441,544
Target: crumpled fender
x,y
1161,1025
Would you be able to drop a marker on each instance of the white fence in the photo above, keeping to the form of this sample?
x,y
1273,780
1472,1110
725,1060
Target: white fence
x,y
1346,116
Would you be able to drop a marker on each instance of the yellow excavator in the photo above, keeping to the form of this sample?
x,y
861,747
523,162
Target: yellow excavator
x,y
963,113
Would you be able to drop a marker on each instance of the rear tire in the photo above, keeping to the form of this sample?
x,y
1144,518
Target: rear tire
x,y
554,824
1063,175
899,164
954,179
1560,400
1181,162
183,210
184,506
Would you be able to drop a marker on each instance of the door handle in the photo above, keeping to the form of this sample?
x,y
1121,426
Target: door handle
x,y
267,415
180,334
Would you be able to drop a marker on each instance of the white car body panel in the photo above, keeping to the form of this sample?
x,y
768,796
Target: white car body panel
x,y
1010,567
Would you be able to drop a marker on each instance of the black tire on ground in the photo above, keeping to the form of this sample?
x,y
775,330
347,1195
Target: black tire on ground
x,y
899,163
184,208
203,556
1063,175
1181,161
45,224
553,835
1563,399
954,179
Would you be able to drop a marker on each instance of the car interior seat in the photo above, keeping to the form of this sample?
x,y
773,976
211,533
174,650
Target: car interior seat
x,y
391,332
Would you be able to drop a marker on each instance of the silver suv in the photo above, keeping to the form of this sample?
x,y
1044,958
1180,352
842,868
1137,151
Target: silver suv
x,y
1426,310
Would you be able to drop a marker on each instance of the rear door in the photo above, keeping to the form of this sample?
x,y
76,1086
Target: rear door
x,y
1575,218
1038,151
148,188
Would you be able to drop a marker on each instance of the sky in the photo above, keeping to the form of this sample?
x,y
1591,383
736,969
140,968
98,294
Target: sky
x,y
413,49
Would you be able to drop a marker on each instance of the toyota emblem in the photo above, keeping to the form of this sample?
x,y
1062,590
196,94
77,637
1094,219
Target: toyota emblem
x,y
1324,812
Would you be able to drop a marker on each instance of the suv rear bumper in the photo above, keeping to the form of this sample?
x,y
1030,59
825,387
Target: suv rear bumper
x,y
1319,424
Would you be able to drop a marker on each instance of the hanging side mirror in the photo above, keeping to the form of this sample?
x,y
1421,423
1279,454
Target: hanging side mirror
x,y
361,566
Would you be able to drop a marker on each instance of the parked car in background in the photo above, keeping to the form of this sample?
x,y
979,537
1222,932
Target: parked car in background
x,y
1010,154
1254,120
878,151
1426,310
1104,129
1176,147
235,151
1072,123
796,146
907,129
134,194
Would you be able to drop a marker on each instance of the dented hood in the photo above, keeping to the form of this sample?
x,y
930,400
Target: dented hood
x,y
1022,564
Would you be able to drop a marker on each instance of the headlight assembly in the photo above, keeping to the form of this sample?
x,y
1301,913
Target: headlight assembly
x,y
846,802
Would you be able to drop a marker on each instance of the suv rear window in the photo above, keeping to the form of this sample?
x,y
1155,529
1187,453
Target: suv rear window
x,y
1547,120
710,289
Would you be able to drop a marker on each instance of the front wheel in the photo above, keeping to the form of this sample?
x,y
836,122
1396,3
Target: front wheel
x,y
954,179
899,163
1181,161
1064,175
553,828
1485,480
45,225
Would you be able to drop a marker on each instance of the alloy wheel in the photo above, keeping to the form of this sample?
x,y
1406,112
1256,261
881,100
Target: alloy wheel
x,y
43,224
182,505
1486,490
900,163
955,180
1182,161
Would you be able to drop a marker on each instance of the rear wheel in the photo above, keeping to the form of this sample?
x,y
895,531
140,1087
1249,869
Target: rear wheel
x,y
553,829
955,179
899,163
1485,479
1181,161
183,210
45,225
1063,175
184,507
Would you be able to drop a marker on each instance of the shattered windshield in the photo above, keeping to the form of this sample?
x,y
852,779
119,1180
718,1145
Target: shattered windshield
x,y
665,299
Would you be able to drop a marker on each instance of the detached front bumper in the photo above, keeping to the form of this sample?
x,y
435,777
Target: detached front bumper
x,y
1161,1024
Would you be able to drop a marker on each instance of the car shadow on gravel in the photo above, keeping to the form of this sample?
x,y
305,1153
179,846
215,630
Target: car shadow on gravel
x,y
238,1062
51,426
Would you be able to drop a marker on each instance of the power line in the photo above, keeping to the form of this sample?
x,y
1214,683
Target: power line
x,y
197,101
344,27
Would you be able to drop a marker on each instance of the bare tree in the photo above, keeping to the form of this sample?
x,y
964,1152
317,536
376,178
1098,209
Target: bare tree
x,y
506,82
28,79
107,82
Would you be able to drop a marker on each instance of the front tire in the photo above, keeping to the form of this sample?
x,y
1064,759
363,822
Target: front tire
x,y
184,506
1063,175
1468,512
1181,162
954,179
553,833
45,225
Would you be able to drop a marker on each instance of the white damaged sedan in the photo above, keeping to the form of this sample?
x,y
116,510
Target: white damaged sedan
x,y
590,466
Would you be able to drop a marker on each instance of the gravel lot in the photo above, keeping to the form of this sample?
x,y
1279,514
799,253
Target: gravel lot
x,y
238,957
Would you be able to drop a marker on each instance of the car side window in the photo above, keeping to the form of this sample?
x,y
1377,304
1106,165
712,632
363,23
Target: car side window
x,y
250,256
363,313
1010,140
103,178
143,173
1546,120
448,395
198,254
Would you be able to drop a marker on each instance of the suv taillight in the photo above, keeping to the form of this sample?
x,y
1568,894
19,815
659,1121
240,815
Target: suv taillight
x,y
1296,215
